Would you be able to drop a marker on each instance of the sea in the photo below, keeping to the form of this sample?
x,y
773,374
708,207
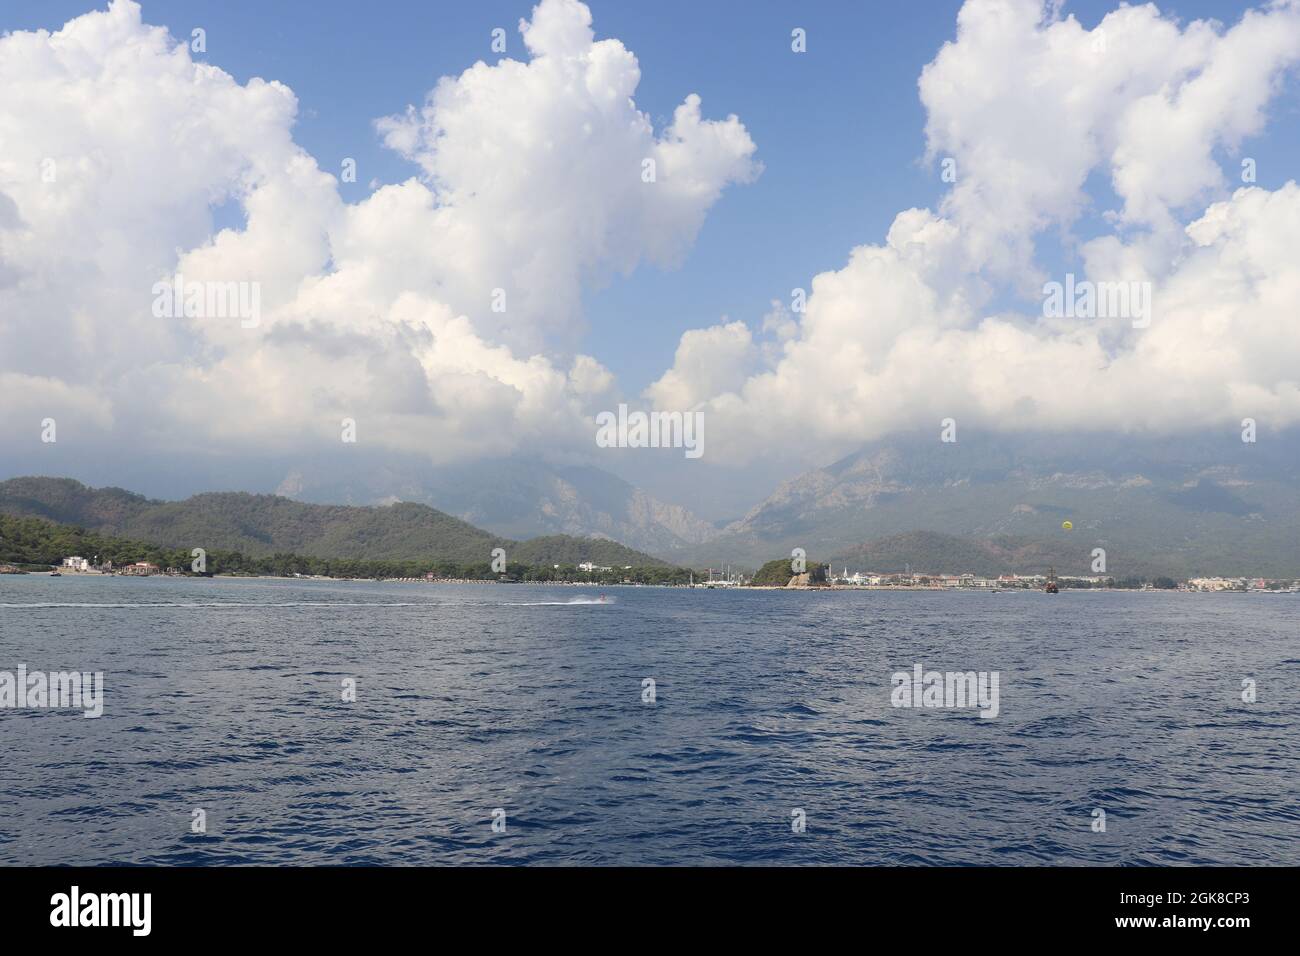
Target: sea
x,y
310,722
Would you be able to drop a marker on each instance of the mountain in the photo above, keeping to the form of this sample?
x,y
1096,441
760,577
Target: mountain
x,y
1177,507
269,524
515,498
930,551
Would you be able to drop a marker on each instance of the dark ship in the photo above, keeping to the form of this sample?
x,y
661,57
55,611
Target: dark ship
x,y
1051,587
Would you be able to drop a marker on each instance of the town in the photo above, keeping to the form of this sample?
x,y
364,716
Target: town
x,y
79,565
820,576
826,578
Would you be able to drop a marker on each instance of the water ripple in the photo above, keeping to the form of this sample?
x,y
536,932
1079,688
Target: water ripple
x,y
226,696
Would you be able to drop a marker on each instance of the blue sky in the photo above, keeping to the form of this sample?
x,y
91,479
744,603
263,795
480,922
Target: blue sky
x,y
901,335
840,130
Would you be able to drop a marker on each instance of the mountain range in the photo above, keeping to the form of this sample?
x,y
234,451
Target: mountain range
x,y
269,524
515,498
986,504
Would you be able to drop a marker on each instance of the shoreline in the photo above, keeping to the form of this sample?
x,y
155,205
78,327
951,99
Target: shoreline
x,y
927,588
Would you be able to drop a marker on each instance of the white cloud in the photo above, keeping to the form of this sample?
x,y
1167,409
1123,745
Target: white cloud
x,y
588,377
1030,107
530,182
535,174
708,361
379,311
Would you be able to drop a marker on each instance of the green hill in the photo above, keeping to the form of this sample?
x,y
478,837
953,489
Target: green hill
x,y
34,543
778,573
37,542
262,525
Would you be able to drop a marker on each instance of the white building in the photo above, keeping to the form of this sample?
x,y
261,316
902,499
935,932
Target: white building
x,y
1218,584
76,564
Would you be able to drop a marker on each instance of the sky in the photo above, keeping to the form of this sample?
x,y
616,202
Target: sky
x,y
830,181
1087,139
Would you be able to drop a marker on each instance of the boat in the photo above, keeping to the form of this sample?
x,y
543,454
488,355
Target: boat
x,y
55,574
1051,587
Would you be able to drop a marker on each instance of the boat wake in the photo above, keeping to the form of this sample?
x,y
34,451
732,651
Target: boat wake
x,y
222,604
235,605
568,603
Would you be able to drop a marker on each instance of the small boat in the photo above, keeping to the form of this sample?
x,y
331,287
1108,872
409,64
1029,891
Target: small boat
x,y
1051,587
55,574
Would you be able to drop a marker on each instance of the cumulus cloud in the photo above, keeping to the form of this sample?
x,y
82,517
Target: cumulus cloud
x,y
708,361
439,312
1030,106
534,176
442,312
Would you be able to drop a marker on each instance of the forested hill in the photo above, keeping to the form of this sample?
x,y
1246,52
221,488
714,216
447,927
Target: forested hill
x,y
258,525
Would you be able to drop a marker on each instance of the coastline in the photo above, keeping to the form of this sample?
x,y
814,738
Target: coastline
x,y
924,588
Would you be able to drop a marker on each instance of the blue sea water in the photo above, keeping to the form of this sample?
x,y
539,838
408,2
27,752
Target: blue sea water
x,y
226,696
